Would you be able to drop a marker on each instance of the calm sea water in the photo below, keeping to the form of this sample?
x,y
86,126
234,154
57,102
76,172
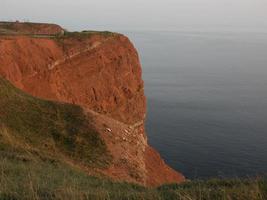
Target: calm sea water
x,y
207,100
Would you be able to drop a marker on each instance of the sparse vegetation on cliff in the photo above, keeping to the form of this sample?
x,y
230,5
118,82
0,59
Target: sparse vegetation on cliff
x,y
87,33
29,28
48,128
80,36
47,30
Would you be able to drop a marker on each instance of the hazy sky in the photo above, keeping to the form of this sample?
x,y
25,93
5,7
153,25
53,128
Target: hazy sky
x,y
248,15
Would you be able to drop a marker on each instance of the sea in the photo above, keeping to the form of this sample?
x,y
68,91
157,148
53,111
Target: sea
x,y
206,100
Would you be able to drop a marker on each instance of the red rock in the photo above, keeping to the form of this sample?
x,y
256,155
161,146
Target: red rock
x,y
101,73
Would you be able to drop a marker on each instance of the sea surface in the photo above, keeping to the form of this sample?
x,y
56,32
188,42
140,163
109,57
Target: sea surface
x,y
207,100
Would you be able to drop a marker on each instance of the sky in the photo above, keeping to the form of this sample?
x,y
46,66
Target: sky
x,y
202,15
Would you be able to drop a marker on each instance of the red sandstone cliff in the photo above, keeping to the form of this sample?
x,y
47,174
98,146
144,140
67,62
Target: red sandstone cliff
x,y
102,73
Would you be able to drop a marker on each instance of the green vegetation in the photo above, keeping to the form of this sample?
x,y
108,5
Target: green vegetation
x,y
7,25
62,38
217,189
80,36
49,128
44,147
11,28
24,176
6,28
88,33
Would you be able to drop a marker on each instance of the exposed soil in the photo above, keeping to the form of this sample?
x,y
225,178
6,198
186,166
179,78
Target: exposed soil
x,y
103,75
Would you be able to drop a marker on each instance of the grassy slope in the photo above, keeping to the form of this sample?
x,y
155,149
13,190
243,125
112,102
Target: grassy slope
x,y
32,178
37,138
48,128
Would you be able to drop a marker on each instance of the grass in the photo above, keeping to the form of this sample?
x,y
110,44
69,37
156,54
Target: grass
x,y
25,176
7,25
221,189
35,178
49,128
87,33
80,36
63,39
38,138
11,28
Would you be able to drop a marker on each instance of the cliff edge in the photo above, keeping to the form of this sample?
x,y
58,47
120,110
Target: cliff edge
x,y
101,73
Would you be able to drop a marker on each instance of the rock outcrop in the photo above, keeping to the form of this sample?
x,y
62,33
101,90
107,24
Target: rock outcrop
x,y
100,72
30,28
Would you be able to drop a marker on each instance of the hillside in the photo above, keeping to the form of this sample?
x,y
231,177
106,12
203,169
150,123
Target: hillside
x,y
48,129
44,144
100,73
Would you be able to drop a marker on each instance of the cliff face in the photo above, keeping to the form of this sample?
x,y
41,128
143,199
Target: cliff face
x,y
100,72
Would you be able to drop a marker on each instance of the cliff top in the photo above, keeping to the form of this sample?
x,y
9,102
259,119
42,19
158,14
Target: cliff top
x,y
30,28
43,29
